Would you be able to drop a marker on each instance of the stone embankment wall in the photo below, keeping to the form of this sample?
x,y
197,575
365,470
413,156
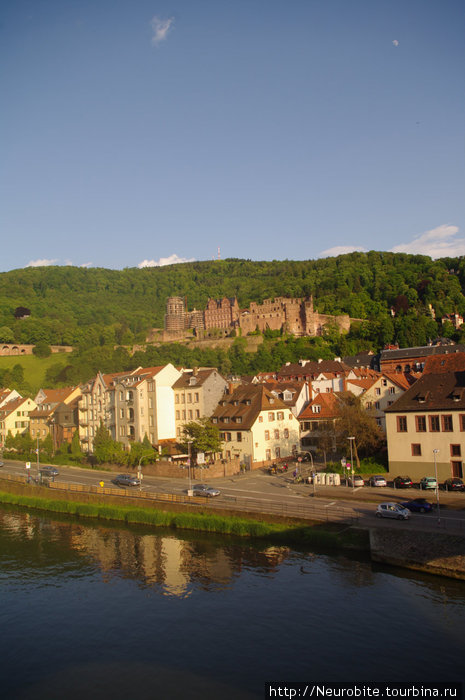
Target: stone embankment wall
x,y
433,552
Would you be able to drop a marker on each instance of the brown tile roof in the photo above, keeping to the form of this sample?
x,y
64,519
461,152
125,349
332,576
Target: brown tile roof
x,y
312,368
440,388
57,395
240,410
329,407
200,377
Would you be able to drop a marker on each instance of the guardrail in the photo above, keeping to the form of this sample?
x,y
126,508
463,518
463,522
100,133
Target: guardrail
x,y
305,511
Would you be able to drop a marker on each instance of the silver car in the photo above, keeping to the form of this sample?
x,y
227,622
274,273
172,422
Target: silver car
x,y
392,510
428,482
126,480
378,481
204,490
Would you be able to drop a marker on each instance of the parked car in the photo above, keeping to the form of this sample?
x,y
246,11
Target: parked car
x,y
418,505
126,480
392,510
428,482
48,472
377,481
403,482
454,484
204,490
357,480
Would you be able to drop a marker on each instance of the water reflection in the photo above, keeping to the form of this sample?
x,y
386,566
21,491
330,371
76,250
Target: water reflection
x,y
204,613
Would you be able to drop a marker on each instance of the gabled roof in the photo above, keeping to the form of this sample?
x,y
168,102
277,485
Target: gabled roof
x,y
329,404
192,379
440,388
12,405
240,410
54,396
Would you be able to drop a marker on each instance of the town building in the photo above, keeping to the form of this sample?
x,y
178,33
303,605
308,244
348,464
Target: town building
x,y
8,395
317,423
256,426
381,393
196,395
14,417
142,404
395,359
425,427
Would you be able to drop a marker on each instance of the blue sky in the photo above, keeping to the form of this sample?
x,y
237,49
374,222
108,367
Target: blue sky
x,y
142,133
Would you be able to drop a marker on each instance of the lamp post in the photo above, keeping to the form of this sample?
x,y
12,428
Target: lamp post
x,y
189,443
435,452
351,440
38,461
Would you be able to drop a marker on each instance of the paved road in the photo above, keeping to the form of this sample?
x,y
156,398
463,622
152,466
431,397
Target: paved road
x,y
259,491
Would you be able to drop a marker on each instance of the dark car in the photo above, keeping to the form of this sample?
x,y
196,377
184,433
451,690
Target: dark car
x,y
49,472
126,480
204,490
418,505
454,484
403,482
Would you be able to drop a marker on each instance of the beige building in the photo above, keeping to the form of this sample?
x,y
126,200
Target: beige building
x,y
256,426
14,417
382,393
196,395
425,427
142,404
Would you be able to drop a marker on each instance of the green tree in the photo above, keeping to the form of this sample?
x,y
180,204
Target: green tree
x,y
203,435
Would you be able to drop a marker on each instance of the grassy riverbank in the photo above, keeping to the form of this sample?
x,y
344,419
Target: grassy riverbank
x,y
284,533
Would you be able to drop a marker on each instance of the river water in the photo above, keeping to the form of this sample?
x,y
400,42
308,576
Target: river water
x,y
104,611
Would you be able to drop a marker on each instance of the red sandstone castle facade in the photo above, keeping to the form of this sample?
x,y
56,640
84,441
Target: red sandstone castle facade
x,y
294,316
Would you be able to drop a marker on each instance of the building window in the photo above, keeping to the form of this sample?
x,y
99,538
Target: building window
x,y
377,405
197,413
178,415
276,434
447,424
462,422
260,419
369,405
267,434
196,397
378,391
239,437
176,398
401,424
434,424
416,450
271,417
392,390
189,415
268,454
286,433
280,415
420,423
455,451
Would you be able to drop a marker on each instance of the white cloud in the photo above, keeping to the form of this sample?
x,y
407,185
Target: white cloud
x,y
395,42
440,242
341,250
88,264
160,28
171,260
44,262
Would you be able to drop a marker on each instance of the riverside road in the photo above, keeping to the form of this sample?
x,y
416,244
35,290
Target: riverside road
x,y
258,491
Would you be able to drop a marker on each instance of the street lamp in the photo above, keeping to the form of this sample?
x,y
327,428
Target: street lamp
x,y
435,452
189,443
351,440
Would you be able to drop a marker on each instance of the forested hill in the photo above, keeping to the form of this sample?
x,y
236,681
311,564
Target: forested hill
x,y
71,305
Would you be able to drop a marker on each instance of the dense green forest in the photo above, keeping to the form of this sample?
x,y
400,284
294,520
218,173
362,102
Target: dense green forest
x,y
96,309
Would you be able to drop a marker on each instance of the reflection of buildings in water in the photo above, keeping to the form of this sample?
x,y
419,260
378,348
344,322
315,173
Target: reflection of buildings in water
x,y
168,562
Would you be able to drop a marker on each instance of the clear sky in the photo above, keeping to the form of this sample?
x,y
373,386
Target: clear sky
x,y
137,132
